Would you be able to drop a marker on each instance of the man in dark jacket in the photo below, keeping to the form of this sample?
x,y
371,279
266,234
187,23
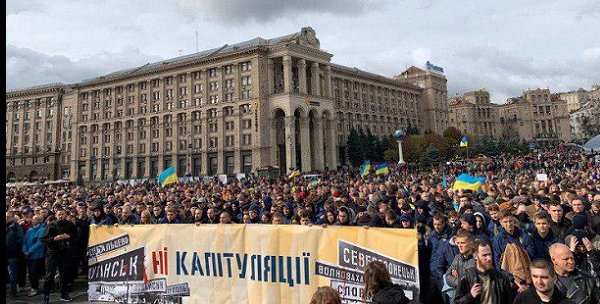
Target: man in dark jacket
x,y
560,225
98,216
59,237
483,283
510,234
542,237
440,232
577,285
14,241
543,277
82,222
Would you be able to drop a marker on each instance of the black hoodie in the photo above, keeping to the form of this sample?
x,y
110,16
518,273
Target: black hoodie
x,y
392,294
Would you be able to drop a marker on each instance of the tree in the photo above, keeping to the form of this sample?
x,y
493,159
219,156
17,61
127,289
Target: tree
x,y
354,148
370,144
413,147
431,157
487,146
453,133
391,155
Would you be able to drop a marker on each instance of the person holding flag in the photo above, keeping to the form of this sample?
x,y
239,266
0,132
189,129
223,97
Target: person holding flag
x,y
365,168
464,142
294,174
167,177
382,169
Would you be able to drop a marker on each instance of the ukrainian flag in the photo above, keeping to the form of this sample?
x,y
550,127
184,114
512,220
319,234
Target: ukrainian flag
x,y
468,182
382,169
294,174
464,142
364,169
167,177
314,182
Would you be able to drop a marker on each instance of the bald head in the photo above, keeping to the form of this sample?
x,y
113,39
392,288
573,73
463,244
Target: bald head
x,y
562,258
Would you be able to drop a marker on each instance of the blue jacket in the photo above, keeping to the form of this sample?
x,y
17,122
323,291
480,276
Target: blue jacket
x,y
435,238
494,228
503,238
442,258
102,220
32,242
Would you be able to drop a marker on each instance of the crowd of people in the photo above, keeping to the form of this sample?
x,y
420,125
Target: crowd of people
x,y
519,237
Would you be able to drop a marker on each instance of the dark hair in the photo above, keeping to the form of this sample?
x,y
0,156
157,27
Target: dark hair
x,y
543,264
440,217
480,243
505,213
464,233
377,277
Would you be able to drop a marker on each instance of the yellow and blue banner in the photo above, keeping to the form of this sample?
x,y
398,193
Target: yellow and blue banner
x,y
294,174
243,263
464,142
468,182
314,182
382,169
365,168
167,177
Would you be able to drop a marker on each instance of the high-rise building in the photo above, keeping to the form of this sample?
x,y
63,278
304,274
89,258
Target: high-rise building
x,y
277,102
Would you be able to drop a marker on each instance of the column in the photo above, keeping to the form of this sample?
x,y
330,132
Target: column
x,y
315,83
328,91
302,75
287,74
317,140
273,142
271,75
147,167
333,149
305,144
290,139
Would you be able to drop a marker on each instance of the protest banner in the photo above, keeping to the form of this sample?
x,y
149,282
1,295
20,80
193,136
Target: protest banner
x,y
243,263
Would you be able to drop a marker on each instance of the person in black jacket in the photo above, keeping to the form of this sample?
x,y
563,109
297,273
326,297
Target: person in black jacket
x,y
14,241
483,283
59,237
543,277
578,285
379,286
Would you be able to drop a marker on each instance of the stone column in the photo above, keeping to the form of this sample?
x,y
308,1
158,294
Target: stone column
x,y
332,144
147,167
315,83
290,139
273,141
317,145
328,91
271,76
287,75
305,152
302,75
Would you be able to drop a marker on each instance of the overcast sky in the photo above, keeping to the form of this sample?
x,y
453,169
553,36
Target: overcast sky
x,y
504,46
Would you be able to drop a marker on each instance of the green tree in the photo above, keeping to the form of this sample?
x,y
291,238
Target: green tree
x,y
370,144
487,146
391,155
431,157
454,133
413,147
354,148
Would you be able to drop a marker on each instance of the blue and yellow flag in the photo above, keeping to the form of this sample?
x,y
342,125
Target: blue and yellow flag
x,y
464,142
167,177
468,182
382,169
314,182
294,174
364,169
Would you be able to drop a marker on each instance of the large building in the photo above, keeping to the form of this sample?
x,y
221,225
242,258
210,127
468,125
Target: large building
x,y
264,102
575,99
536,115
474,114
585,120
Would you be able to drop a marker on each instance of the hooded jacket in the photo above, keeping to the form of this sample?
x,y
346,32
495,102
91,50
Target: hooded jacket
x,y
435,237
503,238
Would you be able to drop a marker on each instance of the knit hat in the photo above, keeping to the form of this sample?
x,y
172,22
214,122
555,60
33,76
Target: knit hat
x,y
579,221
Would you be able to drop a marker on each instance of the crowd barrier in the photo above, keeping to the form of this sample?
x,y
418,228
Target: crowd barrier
x,y
243,263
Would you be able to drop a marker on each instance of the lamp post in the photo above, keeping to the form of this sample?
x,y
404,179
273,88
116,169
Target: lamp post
x,y
399,135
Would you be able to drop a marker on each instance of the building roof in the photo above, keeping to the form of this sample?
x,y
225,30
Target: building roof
x,y
359,72
36,89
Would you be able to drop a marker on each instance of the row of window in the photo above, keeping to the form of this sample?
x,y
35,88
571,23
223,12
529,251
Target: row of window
x,y
27,104
371,89
169,80
213,143
27,115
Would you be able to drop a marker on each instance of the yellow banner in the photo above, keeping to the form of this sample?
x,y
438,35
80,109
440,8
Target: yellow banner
x,y
243,263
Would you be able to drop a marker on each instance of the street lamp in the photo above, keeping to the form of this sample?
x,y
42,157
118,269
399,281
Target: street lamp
x,y
399,135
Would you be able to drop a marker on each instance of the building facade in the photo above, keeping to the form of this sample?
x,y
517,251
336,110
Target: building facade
x,y
33,133
585,120
575,99
473,113
537,115
264,102
434,97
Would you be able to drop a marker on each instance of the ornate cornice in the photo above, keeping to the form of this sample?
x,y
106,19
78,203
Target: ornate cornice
x,y
36,90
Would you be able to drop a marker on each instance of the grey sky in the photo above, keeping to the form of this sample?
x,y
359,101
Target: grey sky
x,y
506,46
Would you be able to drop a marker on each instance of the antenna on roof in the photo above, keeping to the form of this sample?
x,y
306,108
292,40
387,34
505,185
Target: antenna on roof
x,y
196,41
